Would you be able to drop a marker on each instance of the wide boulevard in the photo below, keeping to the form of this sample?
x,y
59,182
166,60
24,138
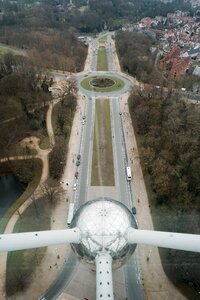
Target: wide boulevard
x,y
131,271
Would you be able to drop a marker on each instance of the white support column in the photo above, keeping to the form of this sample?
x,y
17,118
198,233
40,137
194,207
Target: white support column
x,y
28,240
104,283
173,240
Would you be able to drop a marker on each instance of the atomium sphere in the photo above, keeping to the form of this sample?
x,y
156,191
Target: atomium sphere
x,y
103,223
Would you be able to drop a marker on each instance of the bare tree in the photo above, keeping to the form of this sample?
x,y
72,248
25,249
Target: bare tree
x,y
50,191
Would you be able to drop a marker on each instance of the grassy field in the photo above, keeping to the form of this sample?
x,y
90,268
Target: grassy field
x,y
4,49
83,8
119,84
21,264
102,158
102,62
45,143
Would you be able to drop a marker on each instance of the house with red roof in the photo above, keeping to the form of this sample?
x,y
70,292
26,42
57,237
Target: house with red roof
x,y
167,61
179,67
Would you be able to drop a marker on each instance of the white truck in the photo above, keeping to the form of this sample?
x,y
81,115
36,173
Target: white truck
x,y
70,213
128,173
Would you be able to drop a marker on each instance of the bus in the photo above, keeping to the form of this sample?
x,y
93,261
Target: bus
x,y
128,173
70,213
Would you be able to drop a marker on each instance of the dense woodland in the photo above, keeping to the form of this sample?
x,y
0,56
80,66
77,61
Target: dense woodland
x,y
168,131
115,12
135,56
23,101
92,18
47,47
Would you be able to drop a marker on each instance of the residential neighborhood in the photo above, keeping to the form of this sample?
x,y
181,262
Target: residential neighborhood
x,y
178,40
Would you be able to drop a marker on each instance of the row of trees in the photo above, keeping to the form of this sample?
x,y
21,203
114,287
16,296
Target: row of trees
x,y
64,112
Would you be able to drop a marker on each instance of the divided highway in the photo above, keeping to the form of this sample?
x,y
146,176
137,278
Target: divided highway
x,y
132,269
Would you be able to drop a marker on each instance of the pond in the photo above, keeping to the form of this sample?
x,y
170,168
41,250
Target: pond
x,y
10,189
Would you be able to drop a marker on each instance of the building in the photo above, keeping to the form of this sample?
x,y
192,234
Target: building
x,y
167,61
179,67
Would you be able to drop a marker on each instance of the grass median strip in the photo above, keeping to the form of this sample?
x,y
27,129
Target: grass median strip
x,y
103,39
102,61
102,159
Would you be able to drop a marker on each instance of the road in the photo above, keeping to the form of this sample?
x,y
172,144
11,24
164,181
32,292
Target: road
x,y
132,269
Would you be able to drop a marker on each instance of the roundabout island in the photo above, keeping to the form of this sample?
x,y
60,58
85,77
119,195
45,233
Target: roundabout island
x,y
109,83
102,83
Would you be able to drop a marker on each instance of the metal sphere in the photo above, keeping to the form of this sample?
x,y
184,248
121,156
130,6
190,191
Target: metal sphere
x,y
103,223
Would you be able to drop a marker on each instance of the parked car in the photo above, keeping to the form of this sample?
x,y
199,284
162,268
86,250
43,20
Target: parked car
x,y
76,175
134,210
78,163
78,156
75,186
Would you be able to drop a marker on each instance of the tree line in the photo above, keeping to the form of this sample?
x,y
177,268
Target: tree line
x,y
55,14
64,113
116,12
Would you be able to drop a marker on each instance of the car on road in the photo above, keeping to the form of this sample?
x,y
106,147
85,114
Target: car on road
x,y
78,163
134,210
75,186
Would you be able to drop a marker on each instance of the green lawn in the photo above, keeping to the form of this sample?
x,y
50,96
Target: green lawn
x,y
21,264
102,159
119,84
102,63
83,8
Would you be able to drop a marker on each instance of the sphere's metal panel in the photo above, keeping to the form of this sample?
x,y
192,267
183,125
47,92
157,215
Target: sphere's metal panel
x,y
103,224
